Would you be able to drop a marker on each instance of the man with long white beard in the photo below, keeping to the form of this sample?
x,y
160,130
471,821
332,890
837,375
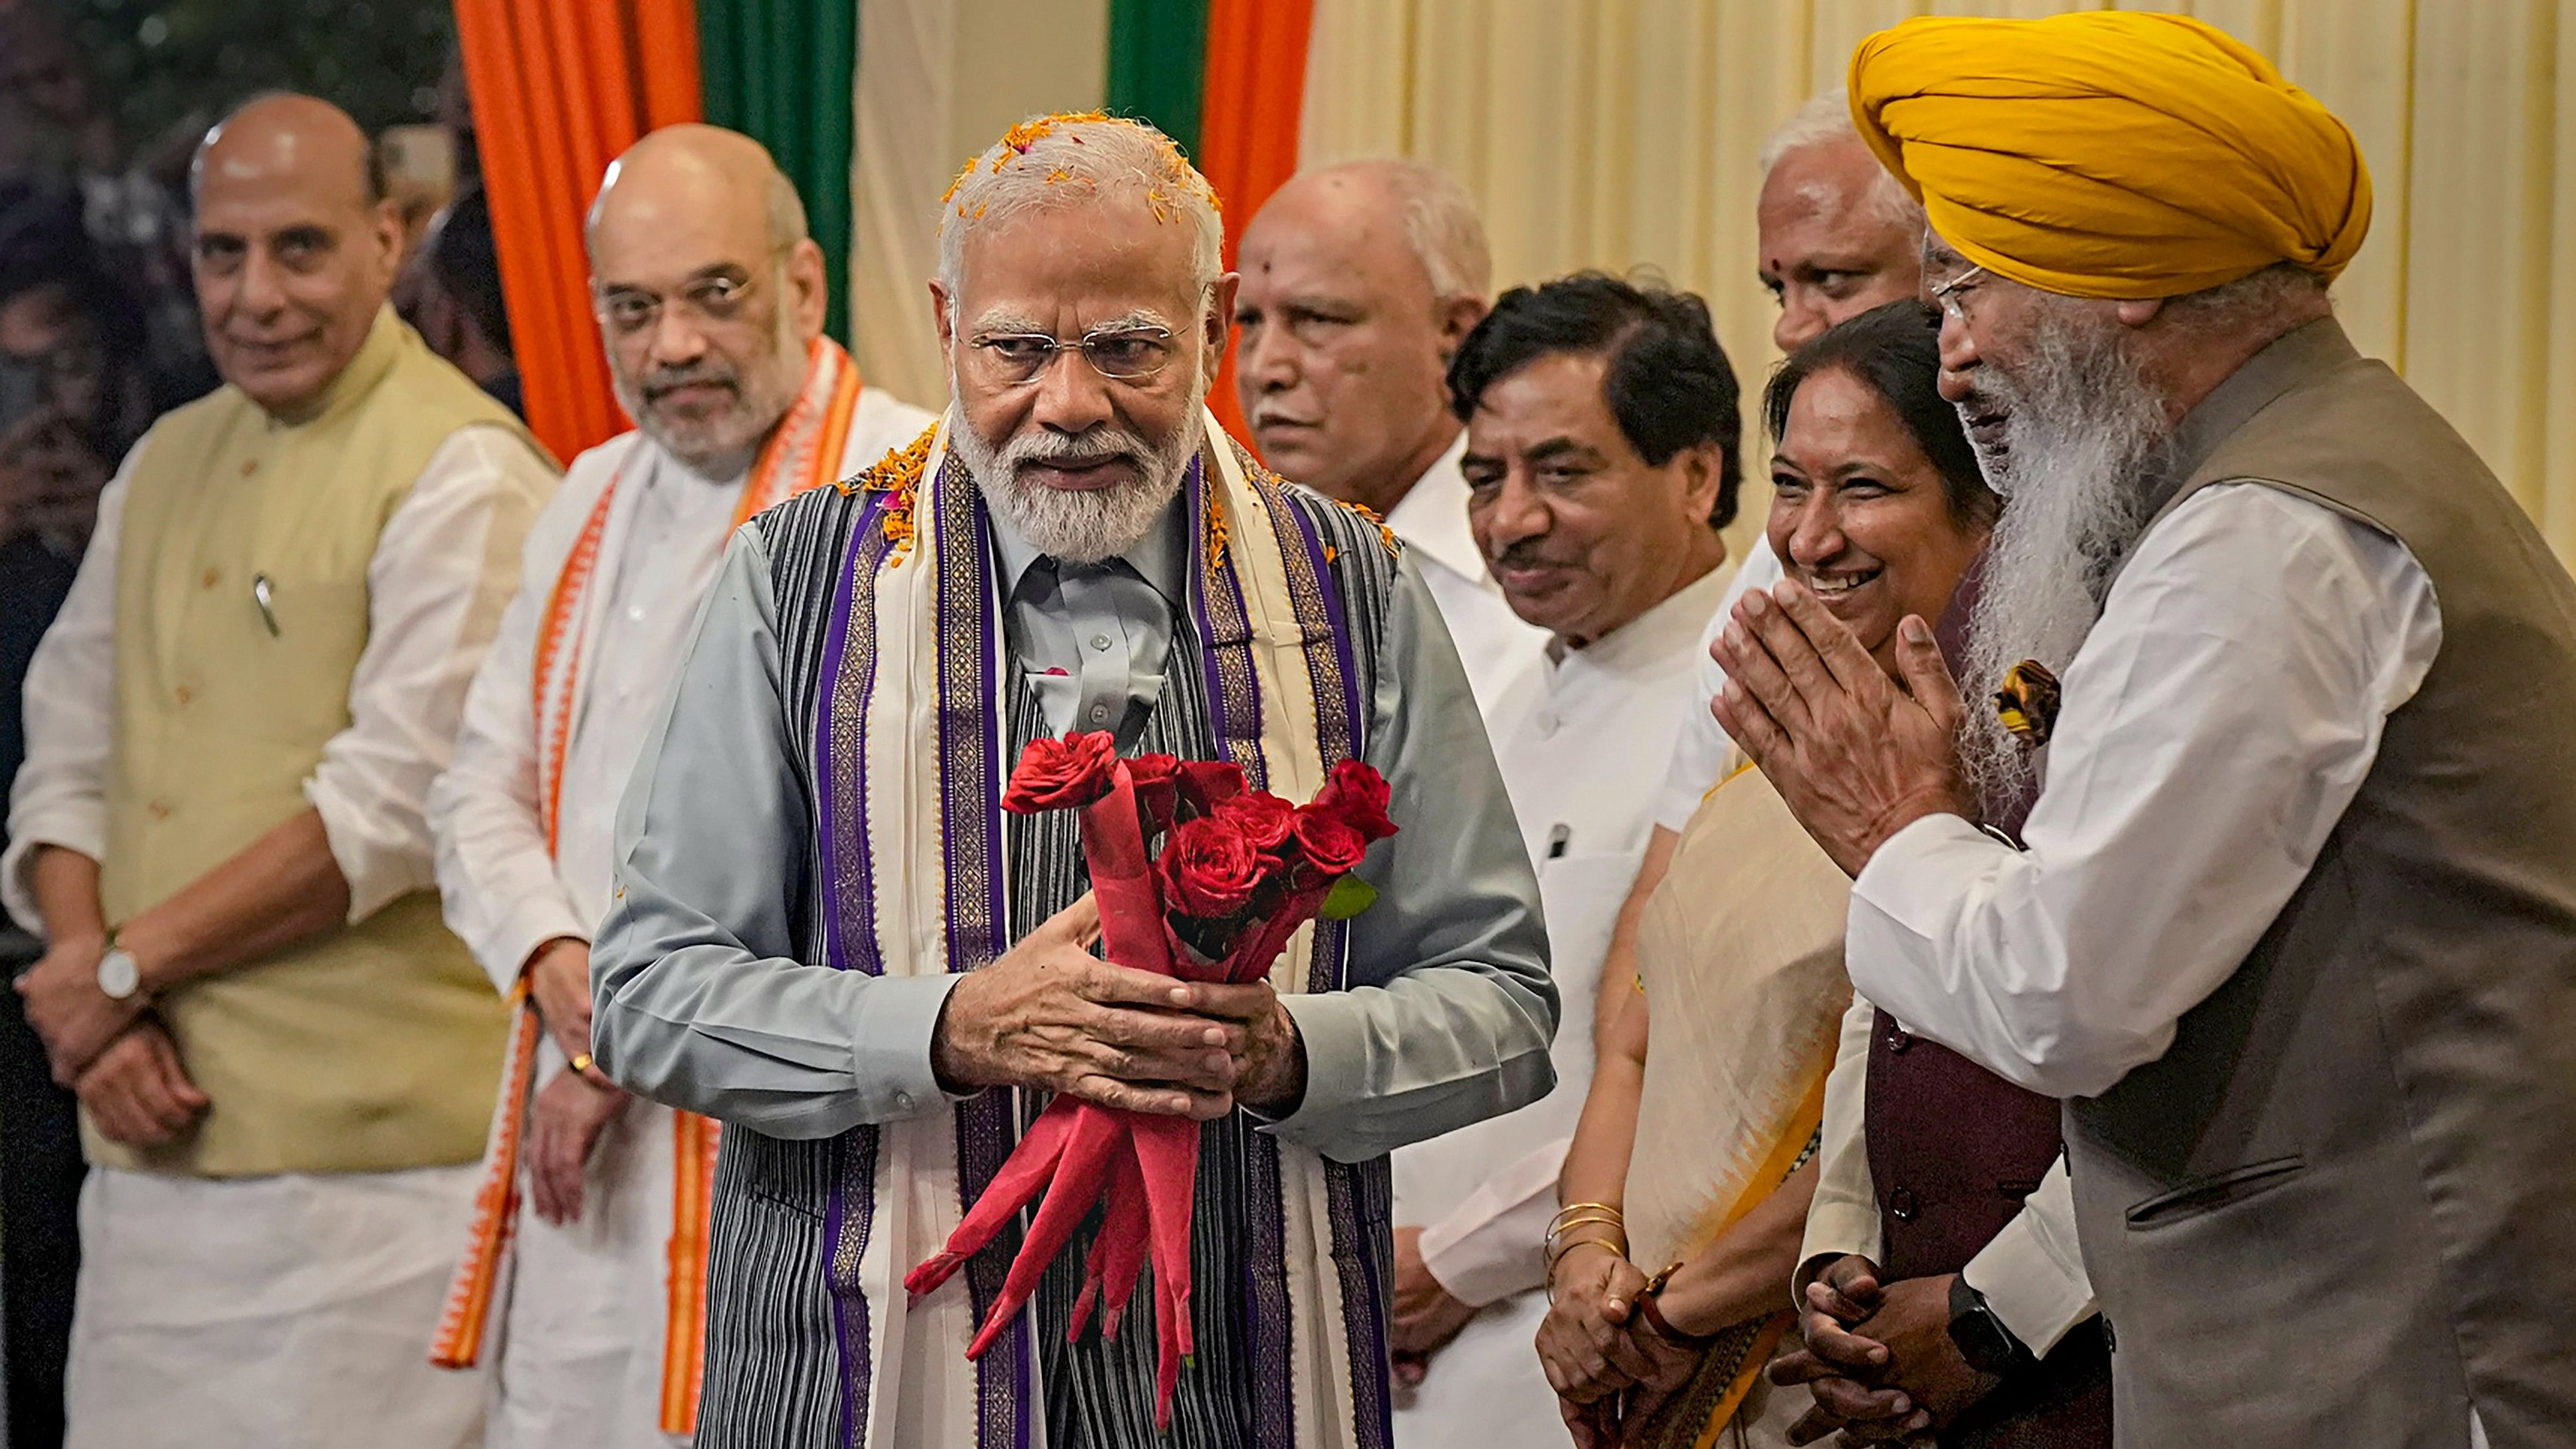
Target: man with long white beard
x,y
828,935
2294,930
710,297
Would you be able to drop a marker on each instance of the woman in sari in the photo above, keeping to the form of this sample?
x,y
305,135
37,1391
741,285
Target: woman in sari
x,y
1688,1181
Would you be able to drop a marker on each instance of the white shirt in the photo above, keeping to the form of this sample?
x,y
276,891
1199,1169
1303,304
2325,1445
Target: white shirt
x,y
503,895
1494,643
1577,739
2216,723
426,630
1701,751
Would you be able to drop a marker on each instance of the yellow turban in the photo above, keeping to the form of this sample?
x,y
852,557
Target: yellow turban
x,y
2110,153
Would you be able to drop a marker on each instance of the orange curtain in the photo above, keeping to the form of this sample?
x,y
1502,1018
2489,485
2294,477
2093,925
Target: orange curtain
x,y
1248,124
559,90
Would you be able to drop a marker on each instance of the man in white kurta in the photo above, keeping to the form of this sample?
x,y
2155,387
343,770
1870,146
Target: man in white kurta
x,y
597,1324
283,1059
1359,281
1598,507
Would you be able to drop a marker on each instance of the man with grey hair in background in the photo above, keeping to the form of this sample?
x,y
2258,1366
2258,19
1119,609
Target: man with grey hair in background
x,y
1359,282
828,934
710,297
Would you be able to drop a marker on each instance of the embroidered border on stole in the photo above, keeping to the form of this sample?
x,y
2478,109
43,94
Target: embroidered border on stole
x,y
850,935
966,620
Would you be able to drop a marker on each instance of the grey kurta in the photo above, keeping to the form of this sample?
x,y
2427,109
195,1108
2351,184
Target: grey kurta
x,y
701,1001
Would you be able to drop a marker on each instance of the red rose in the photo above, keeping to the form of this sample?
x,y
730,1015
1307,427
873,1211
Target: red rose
x,y
1356,794
1331,845
1206,784
1264,818
1063,774
1209,868
1158,788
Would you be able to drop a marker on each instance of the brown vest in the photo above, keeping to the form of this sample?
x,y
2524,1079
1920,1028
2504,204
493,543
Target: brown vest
x,y
1953,1150
2342,1208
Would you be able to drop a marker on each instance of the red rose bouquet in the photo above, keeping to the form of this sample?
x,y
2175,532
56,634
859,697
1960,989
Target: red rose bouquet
x,y
1201,878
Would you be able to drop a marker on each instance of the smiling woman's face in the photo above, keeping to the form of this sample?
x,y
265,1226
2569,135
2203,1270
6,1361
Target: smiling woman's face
x,y
1860,516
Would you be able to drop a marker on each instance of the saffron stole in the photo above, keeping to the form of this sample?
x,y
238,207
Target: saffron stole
x,y
908,740
803,452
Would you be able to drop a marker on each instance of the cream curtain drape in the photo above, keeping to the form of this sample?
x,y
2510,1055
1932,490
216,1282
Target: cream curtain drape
x,y
1622,133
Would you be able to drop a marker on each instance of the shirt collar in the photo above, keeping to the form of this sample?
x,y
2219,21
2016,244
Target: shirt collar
x,y
1157,558
1431,518
1647,642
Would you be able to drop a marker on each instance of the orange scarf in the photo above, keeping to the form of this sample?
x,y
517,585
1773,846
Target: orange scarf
x,y
804,452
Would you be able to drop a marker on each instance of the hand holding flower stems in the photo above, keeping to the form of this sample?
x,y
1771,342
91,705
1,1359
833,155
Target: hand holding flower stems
x,y
1239,872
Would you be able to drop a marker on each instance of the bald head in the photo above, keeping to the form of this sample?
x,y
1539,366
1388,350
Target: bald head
x,y
295,247
282,135
1359,281
703,169
708,289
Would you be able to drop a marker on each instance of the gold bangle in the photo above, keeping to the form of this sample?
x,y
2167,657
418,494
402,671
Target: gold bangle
x,y
1559,1254
1559,1229
1570,1209
1558,1245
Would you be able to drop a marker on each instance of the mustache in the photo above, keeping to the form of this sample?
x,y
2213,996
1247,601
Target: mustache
x,y
700,374
1099,443
1528,553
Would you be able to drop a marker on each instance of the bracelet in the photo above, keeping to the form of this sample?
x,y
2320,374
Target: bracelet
x,y
1557,1248
1654,1315
1570,1209
1617,1250
1556,1240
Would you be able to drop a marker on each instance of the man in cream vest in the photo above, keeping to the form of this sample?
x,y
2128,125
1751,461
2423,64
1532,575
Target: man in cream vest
x,y
2295,931
711,305
283,1058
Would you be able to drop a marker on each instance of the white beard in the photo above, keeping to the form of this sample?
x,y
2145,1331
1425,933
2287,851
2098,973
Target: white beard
x,y
2082,452
1079,527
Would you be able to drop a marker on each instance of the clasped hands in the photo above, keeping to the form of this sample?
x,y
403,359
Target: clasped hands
x,y
1608,1366
1857,756
1878,1358
1051,1016
111,1054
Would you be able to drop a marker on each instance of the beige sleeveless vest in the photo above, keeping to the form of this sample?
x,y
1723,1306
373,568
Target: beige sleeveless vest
x,y
2343,1207
369,1048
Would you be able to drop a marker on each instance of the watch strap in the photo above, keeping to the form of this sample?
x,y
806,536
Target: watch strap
x,y
1982,1338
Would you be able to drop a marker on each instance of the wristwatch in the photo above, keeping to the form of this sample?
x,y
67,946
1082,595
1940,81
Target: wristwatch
x,y
1982,1339
119,977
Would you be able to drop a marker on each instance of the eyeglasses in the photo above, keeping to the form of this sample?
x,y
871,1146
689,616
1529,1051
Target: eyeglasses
x,y
1126,354
1954,304
716,301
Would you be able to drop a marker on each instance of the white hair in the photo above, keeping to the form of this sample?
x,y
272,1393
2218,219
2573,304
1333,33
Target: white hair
x,y
1052,161
1442,227
1826,120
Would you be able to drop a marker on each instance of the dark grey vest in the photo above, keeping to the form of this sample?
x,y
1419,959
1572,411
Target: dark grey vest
x,y
2342,1207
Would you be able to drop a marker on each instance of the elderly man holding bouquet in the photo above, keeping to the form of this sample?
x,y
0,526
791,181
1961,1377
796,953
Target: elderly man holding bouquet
x,y
833,935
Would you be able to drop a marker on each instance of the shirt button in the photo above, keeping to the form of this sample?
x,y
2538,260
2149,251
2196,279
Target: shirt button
x,y
1099,712
249,466
903,1101
1099,641
160,809
1548,722
1901,1205
636,614
1898,1039
212,578
182,695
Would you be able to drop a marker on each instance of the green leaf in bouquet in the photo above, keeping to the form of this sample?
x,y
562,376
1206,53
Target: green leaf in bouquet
x,y
1349,896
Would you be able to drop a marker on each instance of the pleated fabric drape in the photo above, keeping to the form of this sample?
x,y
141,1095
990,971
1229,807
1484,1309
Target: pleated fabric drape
x,y
1623,133
780,72
559,90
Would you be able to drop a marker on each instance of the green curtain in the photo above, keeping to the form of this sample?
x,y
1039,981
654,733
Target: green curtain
x,y
1158,64
780,71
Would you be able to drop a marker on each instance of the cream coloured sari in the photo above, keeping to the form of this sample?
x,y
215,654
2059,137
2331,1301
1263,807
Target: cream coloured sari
x,y
1740,956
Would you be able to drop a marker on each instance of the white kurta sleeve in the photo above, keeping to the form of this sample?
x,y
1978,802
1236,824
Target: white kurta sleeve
x,y
1701,750
2217,722
2031,1272
1495,1244
70,703
444,570
496,878
1844,1216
